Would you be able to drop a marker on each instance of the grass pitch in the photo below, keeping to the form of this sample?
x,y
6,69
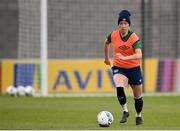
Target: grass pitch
x,y
79,113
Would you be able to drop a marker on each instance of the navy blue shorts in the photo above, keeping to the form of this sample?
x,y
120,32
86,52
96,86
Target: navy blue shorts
x,y
134,74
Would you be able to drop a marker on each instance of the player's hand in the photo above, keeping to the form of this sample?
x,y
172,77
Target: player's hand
x,y
107,62
120,56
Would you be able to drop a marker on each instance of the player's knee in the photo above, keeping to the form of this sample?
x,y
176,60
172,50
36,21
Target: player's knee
x,y
138,104
121,95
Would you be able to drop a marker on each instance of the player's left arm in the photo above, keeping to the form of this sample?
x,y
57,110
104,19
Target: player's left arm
x,y
136,55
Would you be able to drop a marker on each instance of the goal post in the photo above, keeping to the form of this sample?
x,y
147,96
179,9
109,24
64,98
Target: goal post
x,y
44,44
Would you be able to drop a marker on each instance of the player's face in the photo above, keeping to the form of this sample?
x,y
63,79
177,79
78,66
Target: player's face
x,y
123,27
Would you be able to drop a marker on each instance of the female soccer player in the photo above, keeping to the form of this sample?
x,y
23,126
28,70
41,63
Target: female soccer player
x,y
126,64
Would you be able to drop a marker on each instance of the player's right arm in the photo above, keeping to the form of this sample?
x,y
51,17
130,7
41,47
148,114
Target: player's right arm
x,y
106,50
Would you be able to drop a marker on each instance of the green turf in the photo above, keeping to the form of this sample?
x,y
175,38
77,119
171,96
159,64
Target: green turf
x,y
59,113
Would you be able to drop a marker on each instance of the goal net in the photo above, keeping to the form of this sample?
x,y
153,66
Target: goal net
x,y
28,71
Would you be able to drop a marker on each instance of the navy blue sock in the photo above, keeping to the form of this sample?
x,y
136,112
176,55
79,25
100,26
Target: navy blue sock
x,y
138,104
121,95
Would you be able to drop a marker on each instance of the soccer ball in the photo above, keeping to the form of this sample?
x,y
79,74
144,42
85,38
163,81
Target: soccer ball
x,y
21,91
29,91
105,119
11,91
